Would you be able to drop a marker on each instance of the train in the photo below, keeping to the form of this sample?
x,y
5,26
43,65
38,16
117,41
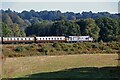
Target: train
x,y
44,39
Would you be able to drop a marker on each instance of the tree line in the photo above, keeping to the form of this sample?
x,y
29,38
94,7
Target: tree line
x,y
103,28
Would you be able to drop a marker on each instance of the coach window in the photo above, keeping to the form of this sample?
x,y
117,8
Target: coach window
x,y
46,38
54,38
49,38
57,38
43,38
17,38
60,38
29,38
40,38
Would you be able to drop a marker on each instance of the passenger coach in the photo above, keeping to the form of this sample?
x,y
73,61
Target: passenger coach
x,y
51,39
18,39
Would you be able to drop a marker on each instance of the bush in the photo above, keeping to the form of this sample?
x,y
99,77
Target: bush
x,y
66,49
114,45
20,49
75,45
71,49
28,47
107,48
52,50
44,49
61,48
95,46
57,46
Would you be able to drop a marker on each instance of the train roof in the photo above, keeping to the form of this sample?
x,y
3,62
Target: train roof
x,y
78,36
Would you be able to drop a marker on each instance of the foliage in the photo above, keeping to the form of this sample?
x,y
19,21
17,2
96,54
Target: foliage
x,y
23,48
11,31
102,26
44,49
39,29
89,27
64,28
109,29
19,49
58,15
17,31
62,49
5,30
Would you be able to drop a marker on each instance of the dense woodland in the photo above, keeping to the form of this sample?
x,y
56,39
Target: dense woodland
x,y
102,26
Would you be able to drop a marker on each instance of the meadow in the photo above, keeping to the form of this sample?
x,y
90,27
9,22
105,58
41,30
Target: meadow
x,y
63,66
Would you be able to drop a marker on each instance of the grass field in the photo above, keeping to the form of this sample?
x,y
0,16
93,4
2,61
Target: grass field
x,y
64,66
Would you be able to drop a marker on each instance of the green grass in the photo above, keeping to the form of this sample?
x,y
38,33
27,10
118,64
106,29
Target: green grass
x,y
78,66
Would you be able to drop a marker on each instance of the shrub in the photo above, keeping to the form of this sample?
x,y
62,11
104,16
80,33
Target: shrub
x,y
95,46
52,50
20,49
66,49
28,47
114,45
75,45
44,49
71,49
102,47
57,46
108,51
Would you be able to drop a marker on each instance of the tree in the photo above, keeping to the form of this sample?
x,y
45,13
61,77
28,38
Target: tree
x,y
88,27
65,28
109,29
17,32
5,30
7,19
39,28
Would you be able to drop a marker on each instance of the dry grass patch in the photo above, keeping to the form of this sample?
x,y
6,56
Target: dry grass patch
x,y
17,67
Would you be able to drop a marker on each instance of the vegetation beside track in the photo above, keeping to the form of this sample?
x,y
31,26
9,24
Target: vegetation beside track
x,y
22,50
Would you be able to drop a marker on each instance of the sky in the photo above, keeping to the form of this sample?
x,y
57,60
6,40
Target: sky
x,y
68,6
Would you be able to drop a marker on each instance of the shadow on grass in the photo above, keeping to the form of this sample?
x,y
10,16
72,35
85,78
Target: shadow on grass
x,y
118,59
83,73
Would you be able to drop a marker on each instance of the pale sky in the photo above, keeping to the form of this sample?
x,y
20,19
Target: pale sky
x,y
60,0
77,6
